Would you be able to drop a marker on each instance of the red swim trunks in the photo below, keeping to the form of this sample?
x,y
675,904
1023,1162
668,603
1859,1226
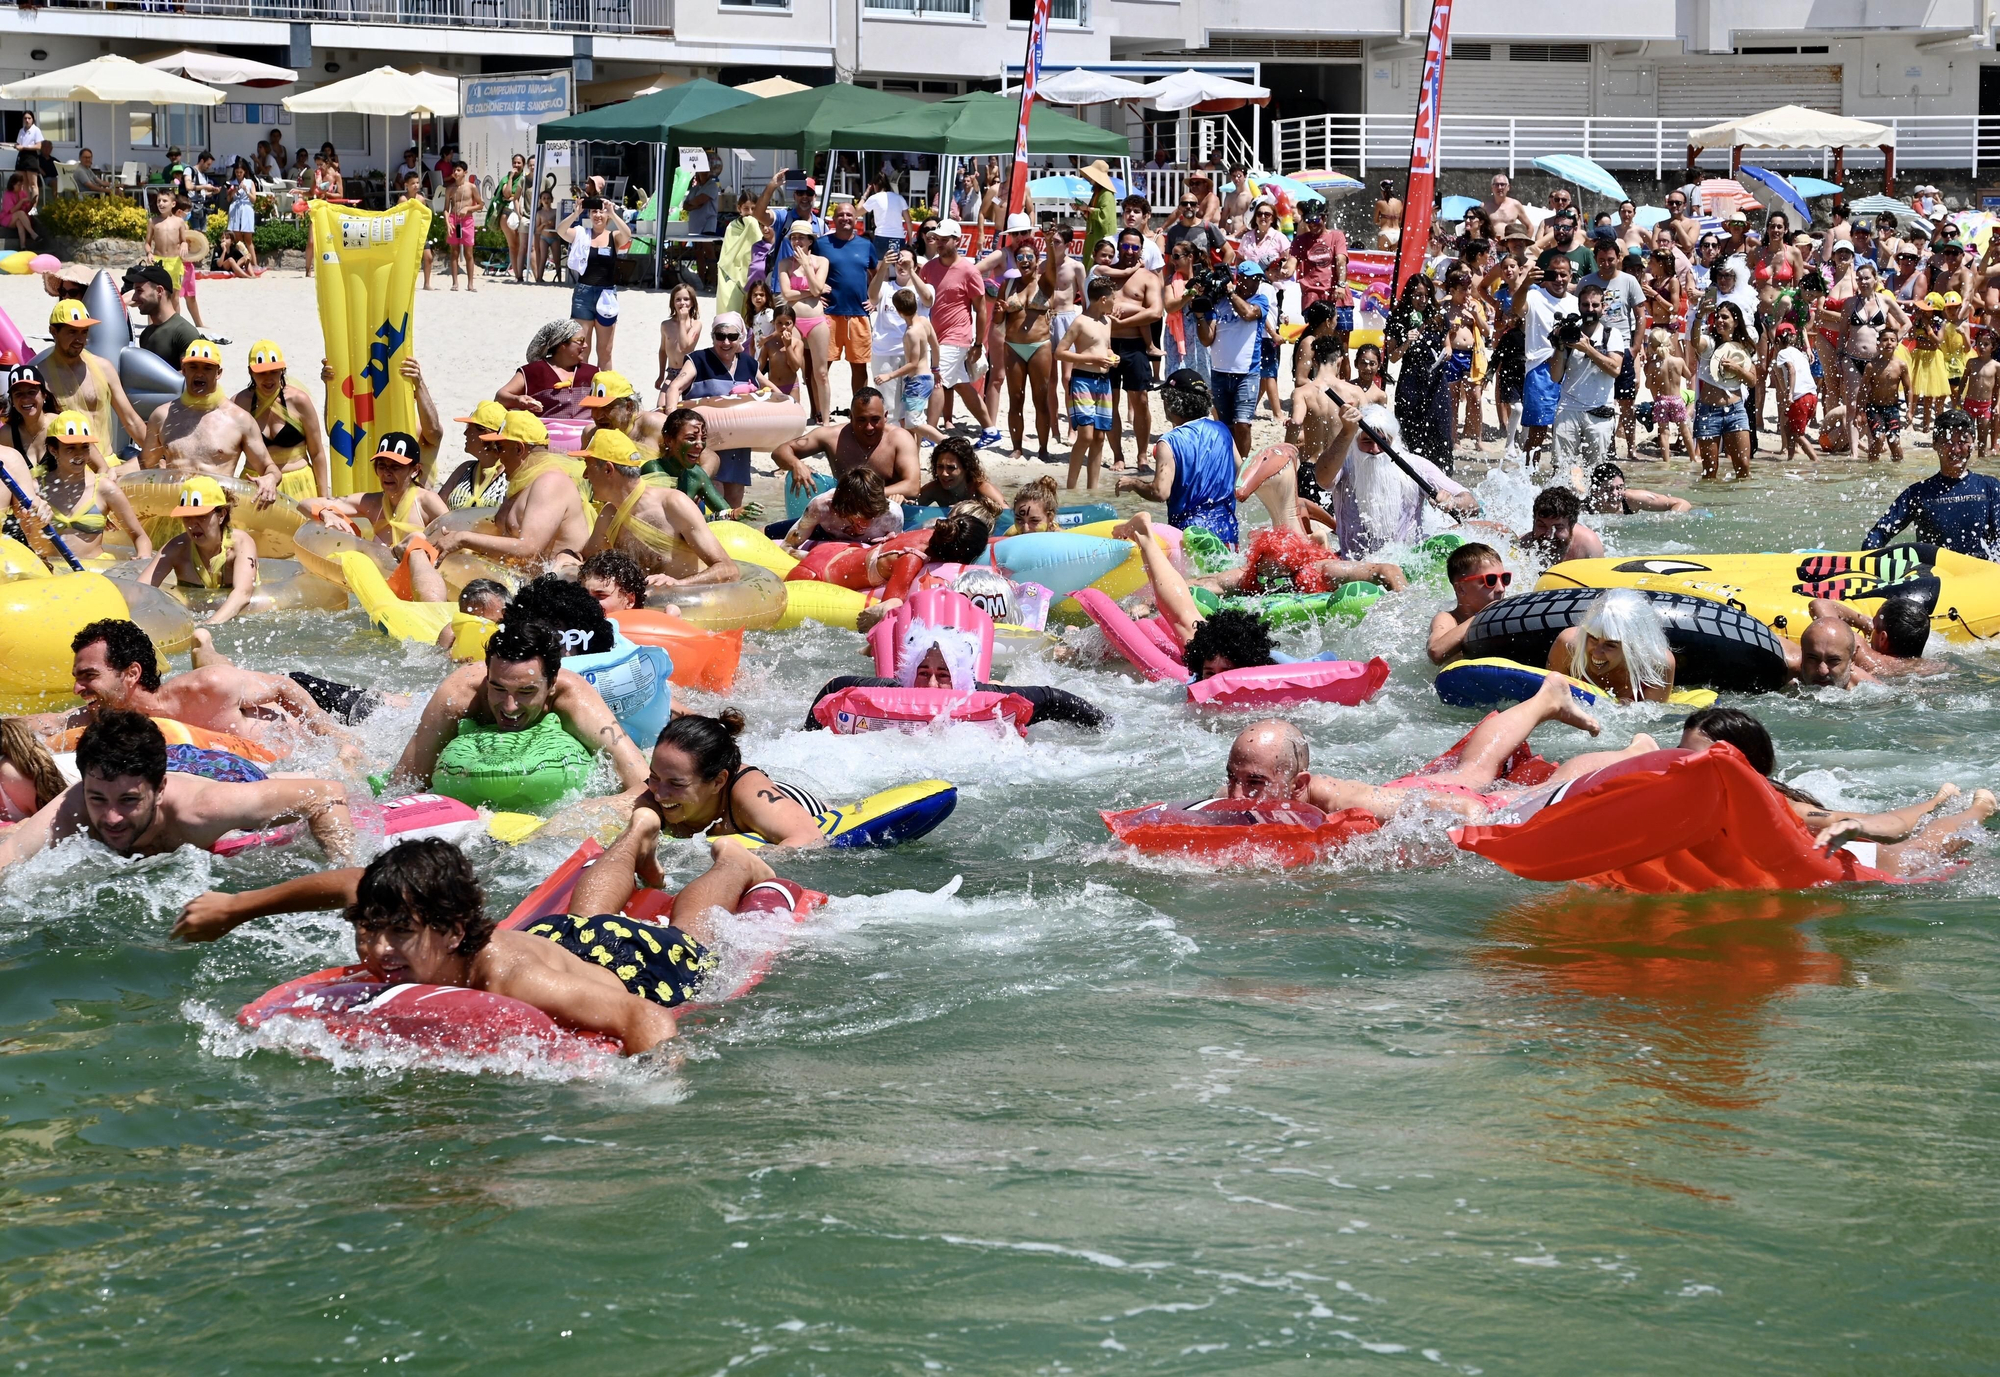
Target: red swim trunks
x,y
1979,410
1799,415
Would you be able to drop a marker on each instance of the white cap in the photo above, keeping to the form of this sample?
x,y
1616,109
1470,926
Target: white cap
x,y
949,229
1017,223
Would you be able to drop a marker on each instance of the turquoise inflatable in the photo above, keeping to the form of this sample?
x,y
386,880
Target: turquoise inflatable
x,y
632,680
795,501
1061,562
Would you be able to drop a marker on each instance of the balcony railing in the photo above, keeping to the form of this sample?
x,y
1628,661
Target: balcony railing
x,y
1357,143
567,16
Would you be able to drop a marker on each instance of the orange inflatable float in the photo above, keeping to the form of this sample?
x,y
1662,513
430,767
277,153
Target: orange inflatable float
x,y
1668,822
703,660
183,734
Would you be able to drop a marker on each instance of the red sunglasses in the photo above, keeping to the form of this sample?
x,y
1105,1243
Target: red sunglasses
x,y
1503,579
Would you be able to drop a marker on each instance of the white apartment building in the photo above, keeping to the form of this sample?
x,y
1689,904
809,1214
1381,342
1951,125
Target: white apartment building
x,y
1619,79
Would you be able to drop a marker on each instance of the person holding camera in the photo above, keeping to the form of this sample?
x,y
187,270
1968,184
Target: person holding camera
x,y
1589,354
1238,327
1548,299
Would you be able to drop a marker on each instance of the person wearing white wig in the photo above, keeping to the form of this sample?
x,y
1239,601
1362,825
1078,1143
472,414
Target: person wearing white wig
x,y
1619,646
1377,504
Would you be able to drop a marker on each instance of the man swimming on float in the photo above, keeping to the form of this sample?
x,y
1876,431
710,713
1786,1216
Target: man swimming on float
x,y
419,917
128,801
1843,646
1271,761
658,526
519,683
115,668
1478,579
543,515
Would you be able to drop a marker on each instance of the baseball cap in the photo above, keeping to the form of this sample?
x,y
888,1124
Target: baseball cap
x,y
488,415
608,387
26,374
71,425
1605,234
949,229
199,496
400,446
143,273
266,357
1249,269
613,447
201,351
523,427
71,313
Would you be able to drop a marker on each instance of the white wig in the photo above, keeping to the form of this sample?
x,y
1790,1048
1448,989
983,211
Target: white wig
x,y
1382,491
1625,617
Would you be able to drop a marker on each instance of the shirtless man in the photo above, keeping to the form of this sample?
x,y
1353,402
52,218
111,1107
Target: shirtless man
x,y
1388,216
462,204
82,381
1479,580
1823,656
660,527
419,917
520,681
128,802
867,438
1270,762
202,431
1557,535
543,515
1139,303
1063,278
1888,645
116,669
1608,494
1236,204
1503,210
614,404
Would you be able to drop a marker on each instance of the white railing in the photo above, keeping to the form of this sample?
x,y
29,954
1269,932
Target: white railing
x,y
568,16
1358,143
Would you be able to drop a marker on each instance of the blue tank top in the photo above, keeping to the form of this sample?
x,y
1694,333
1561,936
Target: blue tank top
x,y
1204,491
709,378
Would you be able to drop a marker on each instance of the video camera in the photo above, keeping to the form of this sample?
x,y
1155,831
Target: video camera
x,y
1208,289
1566,330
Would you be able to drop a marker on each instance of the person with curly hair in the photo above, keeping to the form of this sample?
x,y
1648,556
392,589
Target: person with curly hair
x,y
419,916
615,579
957,476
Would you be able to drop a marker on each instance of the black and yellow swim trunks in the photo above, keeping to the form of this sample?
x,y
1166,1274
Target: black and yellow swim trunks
x,y
661,964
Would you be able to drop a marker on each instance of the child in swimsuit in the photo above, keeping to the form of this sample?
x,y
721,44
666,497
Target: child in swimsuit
x,y
782,355
208,554
1666,379
1982,382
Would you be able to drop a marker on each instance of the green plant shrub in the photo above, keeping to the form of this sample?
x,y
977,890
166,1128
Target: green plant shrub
x,y
94,217
274,236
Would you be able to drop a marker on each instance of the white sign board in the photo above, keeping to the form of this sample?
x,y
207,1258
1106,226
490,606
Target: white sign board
x,y
694,160
498,116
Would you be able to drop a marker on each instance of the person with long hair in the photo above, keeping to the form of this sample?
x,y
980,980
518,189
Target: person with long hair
x,y
1030,362
593,263
1724,368
1620,646
957,476
82,501
513,213
680,332
1183,341
800,275
289,423
29,779
243,214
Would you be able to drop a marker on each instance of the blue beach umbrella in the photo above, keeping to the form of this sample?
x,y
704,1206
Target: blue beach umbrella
x,y
1455,207
1780,188
1573,167
1812,188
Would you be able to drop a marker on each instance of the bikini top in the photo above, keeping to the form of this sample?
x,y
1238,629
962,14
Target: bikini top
x,y
399,521
805,798
289,435
210,570
87,517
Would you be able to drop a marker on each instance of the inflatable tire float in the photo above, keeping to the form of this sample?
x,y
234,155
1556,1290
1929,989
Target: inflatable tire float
x,y
1962,592
461,567
39,616
1668,822
633,682
362,576
318,549
750,422
1715,645
514,771
155,492
748,545
755,602
405,819
889,818
1495,683
705,660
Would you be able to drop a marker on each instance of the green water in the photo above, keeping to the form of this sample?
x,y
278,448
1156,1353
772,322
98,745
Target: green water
x,y
1020,1103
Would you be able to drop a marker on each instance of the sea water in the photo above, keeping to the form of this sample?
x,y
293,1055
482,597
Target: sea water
x,y
1020,1101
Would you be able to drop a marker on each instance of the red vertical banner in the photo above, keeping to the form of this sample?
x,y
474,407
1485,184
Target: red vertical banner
x,y
1031,75
1420,189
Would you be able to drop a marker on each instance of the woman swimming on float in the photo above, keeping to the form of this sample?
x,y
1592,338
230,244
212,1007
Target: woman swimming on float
x,y
1620,646
82,503
209,554
697,783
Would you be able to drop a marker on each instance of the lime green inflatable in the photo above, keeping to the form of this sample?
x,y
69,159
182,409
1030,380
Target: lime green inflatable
x,y
1349,602
511,770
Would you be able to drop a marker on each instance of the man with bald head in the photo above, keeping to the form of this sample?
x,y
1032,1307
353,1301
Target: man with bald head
x,y
1824,656
1270,762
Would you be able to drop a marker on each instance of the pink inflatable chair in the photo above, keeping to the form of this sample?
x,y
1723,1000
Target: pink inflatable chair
x,y
13,348
934,617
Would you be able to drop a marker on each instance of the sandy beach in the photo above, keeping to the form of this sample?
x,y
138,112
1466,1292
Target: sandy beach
x,y
469,343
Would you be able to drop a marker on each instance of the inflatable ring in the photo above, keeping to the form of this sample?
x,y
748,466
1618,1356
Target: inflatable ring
x,y
283,585
514,771
184,734
748,545
156,492
755,602
1714,645
461,567
1963,592
1496,683
319,547
810,600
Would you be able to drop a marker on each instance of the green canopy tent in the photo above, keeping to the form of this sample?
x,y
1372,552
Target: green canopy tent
x,y
978,124
798,123
647,119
